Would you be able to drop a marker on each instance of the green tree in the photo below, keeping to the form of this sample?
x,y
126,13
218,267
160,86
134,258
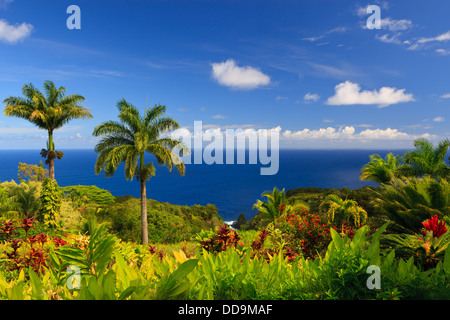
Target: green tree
x,y
276,204
427,159
338,210
127,141
7,205
48,112
31,172
25,198
381,170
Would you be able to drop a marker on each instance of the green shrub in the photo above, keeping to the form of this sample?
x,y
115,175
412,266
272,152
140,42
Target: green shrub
x,y
50,204
85,194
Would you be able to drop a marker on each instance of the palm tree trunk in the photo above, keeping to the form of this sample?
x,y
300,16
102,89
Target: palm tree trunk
x,y
51,160
51,168
144,227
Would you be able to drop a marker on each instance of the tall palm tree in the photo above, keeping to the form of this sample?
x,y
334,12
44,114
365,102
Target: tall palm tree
x,y
338,210
427,160
381,170
48,112
127,140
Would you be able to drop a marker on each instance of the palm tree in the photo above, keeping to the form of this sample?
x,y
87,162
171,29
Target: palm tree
x,y
427,160
338,210
410,201
48,112
26,198
127,140
381,170
276,204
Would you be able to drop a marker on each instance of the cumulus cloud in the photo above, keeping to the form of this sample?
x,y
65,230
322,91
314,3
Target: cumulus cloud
x,y
334,137
14,33
231,75
349,133
311,97
349,93
446,96
438,119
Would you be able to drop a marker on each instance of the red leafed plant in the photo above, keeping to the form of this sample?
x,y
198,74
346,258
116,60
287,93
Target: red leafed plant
x,y
161,254
8,228
223,239
434,225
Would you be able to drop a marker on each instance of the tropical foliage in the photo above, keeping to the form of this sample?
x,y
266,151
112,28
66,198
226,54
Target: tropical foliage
x,y
337,211
32,172
381,170
409,201
276,204
427,160
50,204
111,270
80,242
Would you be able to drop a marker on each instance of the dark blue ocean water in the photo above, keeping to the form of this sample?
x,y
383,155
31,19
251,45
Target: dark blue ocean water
x,y
232,188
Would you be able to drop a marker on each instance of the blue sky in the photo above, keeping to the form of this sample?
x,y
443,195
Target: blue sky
x,y
312,69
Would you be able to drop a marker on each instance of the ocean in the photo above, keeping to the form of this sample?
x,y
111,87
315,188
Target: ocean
x,y
232,188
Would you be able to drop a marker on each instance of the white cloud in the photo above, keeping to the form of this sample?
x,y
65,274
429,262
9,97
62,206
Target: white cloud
x,y
280,98
438,119
446,96
386,39
229,74
20,130
440,38
4,3
362,11
13,34
349,133
342,72
313,39
396,25
443,52
334,30
219,116
330,137
413,47
311,97
348,93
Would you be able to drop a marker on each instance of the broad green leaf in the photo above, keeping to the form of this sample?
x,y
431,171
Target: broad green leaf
x,y
446,264
36,285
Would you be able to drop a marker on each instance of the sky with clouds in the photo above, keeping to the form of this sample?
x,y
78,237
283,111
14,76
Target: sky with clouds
x,y
313,70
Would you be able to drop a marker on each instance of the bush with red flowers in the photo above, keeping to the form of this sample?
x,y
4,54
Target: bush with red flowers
x,y
304,233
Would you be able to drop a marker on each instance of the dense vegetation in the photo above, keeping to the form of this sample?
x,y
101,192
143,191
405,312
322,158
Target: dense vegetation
x,y
81,242
306,243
